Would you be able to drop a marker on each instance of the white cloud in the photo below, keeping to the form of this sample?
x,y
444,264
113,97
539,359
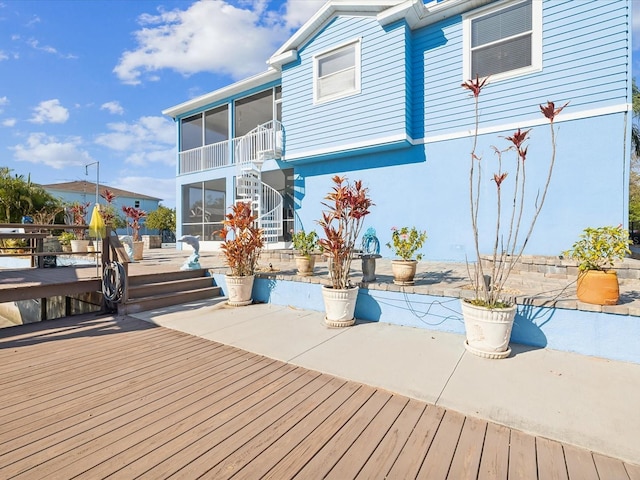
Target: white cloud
x,y
147,141
3,101
210,36
298,12
9,122
113,107
35,44
164,188
42,149
3,56
50,111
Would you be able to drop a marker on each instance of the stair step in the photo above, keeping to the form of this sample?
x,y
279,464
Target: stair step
x,y
171,286
152,278
167,300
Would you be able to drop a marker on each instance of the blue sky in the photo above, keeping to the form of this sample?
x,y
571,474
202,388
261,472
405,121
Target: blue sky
x,y
85,81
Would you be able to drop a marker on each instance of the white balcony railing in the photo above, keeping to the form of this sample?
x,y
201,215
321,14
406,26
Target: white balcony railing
x,y
263,143
211,156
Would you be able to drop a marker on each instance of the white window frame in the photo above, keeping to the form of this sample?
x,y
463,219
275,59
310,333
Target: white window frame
x,y
536,40
357,44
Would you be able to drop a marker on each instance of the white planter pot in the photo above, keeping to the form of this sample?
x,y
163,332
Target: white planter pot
x,y
404,271
138,250
339,306
79,245
305,265
488,330
239,290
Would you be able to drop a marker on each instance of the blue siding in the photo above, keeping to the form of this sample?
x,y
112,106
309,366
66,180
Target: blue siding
x,y
433,194
585,60
378,111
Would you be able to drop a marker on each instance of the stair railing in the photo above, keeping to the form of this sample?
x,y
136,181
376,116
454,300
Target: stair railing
x,y
263,143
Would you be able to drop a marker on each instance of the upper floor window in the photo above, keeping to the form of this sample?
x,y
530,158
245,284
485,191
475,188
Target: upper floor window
x,y
336,73
504,40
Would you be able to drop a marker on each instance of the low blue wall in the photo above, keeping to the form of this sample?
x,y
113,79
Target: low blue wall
x,y
597,334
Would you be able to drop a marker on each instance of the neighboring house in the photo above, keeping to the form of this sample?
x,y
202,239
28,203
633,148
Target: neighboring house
x,y
85,192
371,90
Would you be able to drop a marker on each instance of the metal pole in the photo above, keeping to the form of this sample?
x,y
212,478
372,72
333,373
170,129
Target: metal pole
x,y
86,172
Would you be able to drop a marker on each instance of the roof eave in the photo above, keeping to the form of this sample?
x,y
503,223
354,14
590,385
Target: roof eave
x,y
268,76
330,9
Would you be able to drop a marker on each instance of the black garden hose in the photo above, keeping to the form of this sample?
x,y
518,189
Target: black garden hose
x,y
114,279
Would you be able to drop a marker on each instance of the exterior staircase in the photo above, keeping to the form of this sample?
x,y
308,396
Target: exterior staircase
x,y
158,290
262,143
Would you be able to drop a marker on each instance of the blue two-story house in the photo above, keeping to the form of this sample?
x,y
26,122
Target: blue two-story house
x,y
372,90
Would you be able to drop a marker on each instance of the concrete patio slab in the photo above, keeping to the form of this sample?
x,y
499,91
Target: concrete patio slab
x,y
586,401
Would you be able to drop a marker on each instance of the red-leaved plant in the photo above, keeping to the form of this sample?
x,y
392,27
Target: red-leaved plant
x,y
508,246
108,213
134,215
242,240
78,212
347,206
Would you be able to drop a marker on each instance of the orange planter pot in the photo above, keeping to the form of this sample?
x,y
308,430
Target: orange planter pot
x,y
598,287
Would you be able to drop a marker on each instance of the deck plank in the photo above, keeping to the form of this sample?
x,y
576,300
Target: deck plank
x,y
466,459
275,453
393,442
360,451
241,458
522,456
437,461
610,468
580,464
333,450
316,439
551,461
98,397
411,457
494,464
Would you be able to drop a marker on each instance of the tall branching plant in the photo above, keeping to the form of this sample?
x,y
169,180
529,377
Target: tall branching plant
x,y
508,242
347,205
242,240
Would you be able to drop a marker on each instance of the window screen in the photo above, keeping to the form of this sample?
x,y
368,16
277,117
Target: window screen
x,y
337,73
502,41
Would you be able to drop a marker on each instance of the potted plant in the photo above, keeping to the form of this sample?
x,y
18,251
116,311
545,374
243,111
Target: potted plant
x,y
109,213
65,240
134,216
595,252
242,242
78,211
305,244
347,205
489,315
405,242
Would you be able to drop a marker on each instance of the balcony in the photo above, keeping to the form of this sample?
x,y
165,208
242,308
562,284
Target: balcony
x,y
263,143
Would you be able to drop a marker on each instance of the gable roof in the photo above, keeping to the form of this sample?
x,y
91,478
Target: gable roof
x,y
83,186
415,12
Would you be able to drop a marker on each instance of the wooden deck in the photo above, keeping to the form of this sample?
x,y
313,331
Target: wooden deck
x,y
91,397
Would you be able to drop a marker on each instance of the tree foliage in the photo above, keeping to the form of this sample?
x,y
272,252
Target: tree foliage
x,y
634,177
162,219
20,197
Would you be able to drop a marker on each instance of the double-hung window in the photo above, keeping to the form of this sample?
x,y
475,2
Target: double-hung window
x,y
336,73
504,40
